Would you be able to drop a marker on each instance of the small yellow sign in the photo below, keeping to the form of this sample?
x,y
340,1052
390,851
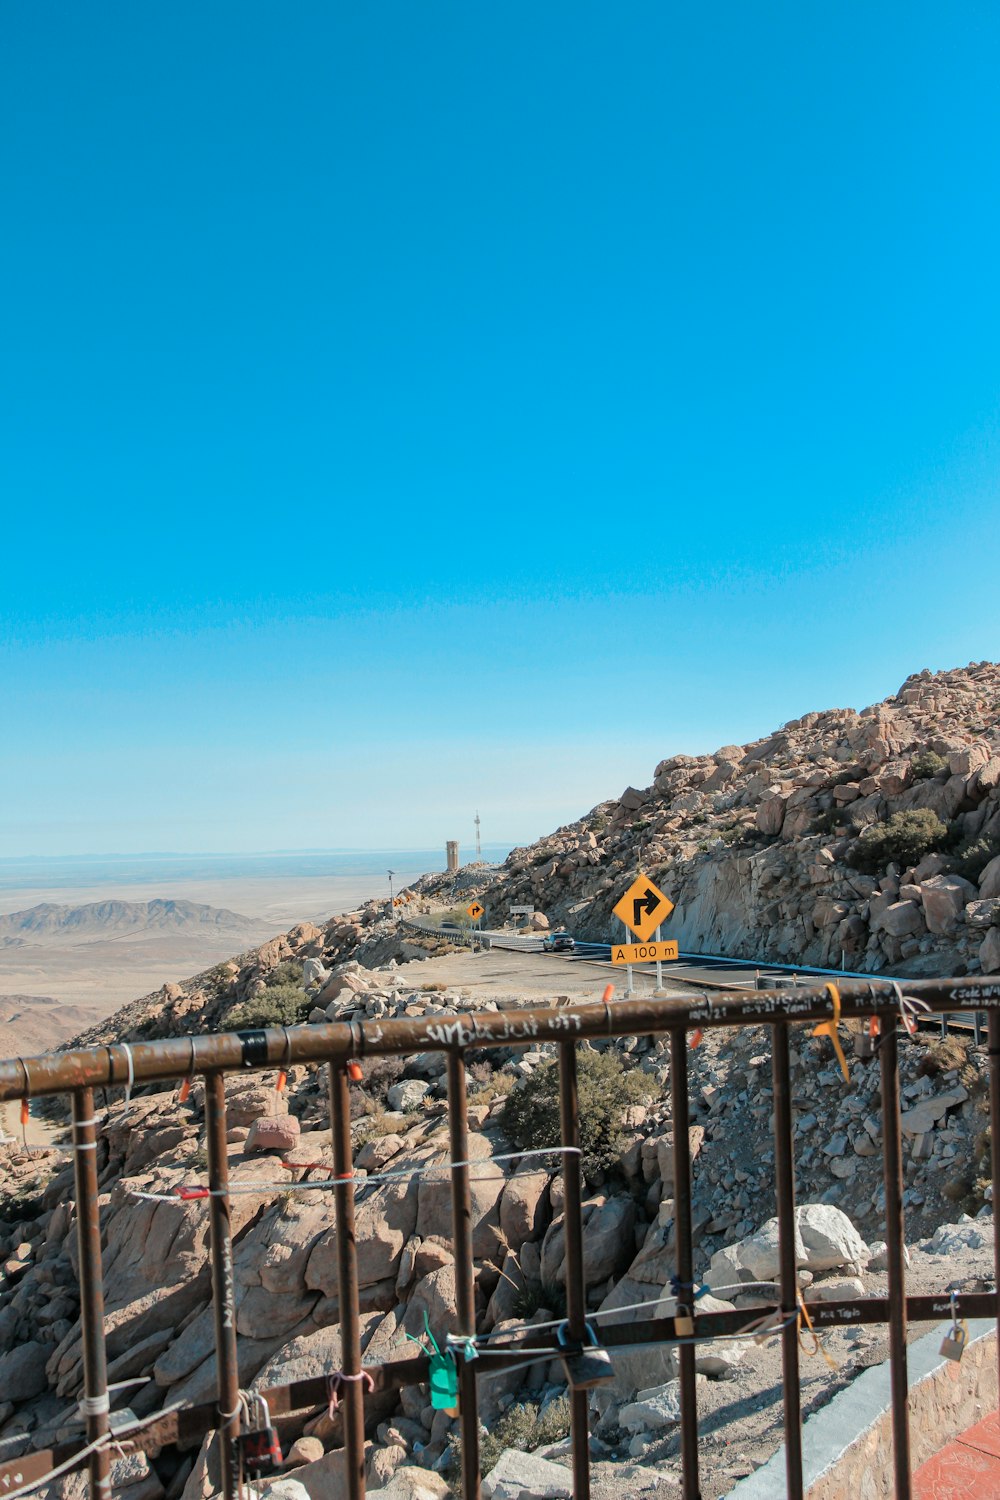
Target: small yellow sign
x,y
643,953
643,907
475,911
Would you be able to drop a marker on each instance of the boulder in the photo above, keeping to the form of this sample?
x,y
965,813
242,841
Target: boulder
x,y
944,898
665,1155
412,1482
246,1105
608,1225
988,776
771,813
989,952
899,919
989,880
523,1207
983,913
305,1450
384,1222
829,1237
486,1184
516,1475
437,1296
924,1115
273,1133
657,1410
285,1489
824,1239
408,1094
22,1371
971,758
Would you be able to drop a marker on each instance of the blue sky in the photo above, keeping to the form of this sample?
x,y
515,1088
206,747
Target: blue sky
x,y
413,408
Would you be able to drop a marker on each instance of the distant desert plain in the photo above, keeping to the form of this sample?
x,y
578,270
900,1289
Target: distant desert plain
x,y
62,970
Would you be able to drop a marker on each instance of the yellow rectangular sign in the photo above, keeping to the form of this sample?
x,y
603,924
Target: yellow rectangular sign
x,y
643,953
475,911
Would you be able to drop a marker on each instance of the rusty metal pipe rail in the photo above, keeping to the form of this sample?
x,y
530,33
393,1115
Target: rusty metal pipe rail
x,y
337,1042
191,1424
340,1045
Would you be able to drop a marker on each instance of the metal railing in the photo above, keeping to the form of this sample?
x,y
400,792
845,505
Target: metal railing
x,y
340,1046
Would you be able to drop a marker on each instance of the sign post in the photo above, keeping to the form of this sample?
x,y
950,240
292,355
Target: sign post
x,y
642,909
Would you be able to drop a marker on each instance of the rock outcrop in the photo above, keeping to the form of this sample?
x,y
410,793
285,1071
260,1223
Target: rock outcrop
x,y
757,844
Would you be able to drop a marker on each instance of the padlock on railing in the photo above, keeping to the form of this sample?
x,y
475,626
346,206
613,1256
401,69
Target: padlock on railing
x,y
586,1367
953,1344
261,1448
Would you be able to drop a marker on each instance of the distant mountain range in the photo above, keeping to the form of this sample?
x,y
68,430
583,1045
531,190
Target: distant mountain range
x,y
101,919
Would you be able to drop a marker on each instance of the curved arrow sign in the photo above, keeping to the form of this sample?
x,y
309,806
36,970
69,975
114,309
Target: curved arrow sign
x,y
643,907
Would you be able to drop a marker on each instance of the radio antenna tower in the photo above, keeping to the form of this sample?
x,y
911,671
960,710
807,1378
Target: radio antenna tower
x,y
479,847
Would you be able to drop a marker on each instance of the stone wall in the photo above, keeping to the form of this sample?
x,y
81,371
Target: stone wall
x,y
846,1452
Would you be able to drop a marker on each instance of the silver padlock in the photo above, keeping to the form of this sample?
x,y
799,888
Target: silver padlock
x,y
953,1343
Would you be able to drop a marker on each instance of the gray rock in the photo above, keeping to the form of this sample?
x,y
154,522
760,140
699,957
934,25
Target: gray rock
x,y
521,1476
407,1095
22,1371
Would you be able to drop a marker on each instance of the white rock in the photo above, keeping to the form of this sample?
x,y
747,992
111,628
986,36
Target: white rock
x,y
285,1489
407,1095
653,1411
837,1289
521,1476
878,1256
829,1237
968,1234
922,1118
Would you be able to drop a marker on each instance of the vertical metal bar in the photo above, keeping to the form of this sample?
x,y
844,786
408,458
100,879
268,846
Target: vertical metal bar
x,y
347,1282
576,1294
465,1274
684,1256
994,1053
784,1183
223,1299
88,1234
892,1161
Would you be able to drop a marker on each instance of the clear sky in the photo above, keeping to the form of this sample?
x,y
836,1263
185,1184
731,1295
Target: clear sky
x,y
414,407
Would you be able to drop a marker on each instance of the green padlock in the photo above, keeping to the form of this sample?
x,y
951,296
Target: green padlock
x,y
444,1383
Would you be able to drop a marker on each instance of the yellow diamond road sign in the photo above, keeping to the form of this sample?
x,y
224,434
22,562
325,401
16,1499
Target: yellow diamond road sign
x,y
475,911
643,907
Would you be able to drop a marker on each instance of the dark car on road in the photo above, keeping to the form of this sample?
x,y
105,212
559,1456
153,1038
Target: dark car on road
x,y
558,942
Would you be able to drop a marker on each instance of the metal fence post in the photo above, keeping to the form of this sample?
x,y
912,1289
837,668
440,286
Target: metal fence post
x,y
576,1303
684,1258
993,1025
96,1404
347,1282
465,1272
784,1184
892,1160
223,1294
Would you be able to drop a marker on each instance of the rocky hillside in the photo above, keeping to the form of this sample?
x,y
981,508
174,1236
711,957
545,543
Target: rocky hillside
x,y
874,834
285,1259
870,839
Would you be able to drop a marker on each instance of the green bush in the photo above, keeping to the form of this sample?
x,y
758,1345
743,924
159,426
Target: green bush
x,y
904,839
973,855
519,1427
605,1090
278,1005
927,764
